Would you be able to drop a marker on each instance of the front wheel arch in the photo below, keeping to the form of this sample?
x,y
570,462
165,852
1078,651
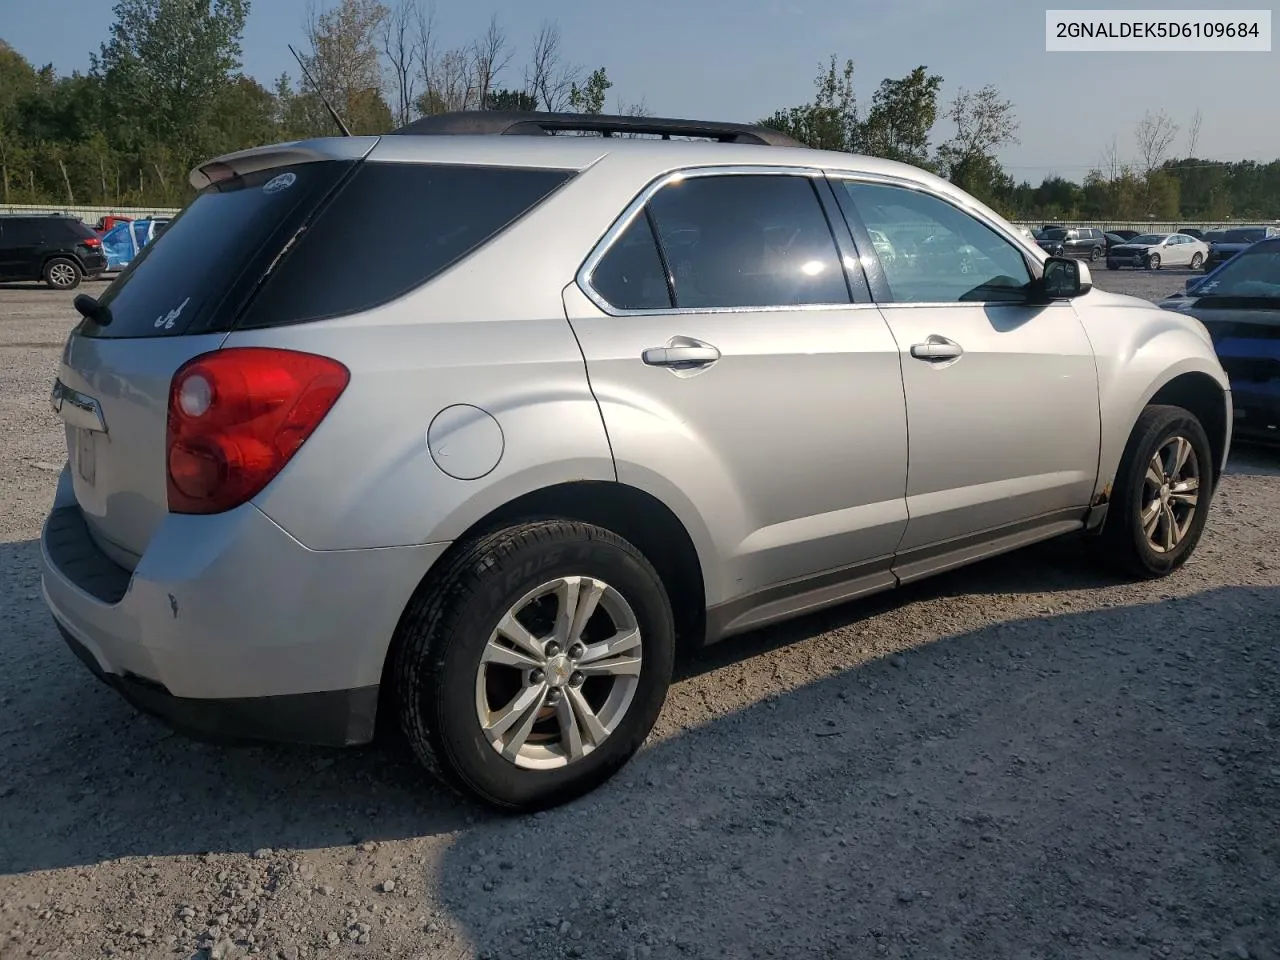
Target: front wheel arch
x,y
1204,397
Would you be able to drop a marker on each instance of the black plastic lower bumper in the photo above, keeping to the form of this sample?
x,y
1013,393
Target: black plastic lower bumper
x,y
332,718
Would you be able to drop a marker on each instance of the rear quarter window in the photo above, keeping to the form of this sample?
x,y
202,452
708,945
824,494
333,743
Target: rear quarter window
x,y
391,228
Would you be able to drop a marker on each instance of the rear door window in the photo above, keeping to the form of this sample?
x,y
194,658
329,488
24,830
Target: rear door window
x,y
756,240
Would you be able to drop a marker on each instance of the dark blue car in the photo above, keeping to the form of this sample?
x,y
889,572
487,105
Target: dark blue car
x,y
1239,304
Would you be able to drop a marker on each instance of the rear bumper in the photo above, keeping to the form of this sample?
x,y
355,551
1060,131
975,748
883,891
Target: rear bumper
x,y
328,718
229,628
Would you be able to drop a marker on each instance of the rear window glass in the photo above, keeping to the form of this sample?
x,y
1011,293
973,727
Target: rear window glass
x,y
213,252
393,227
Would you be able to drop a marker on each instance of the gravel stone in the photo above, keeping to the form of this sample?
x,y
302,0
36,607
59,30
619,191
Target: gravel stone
x,y
1070,765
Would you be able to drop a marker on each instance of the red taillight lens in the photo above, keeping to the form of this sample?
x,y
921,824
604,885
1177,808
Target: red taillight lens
x,y
92,242
237,416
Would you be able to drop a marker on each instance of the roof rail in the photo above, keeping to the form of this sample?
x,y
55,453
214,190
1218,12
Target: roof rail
x,y
524,123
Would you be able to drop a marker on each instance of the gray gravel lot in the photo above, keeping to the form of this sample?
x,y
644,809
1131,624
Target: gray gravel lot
x,y
1023,759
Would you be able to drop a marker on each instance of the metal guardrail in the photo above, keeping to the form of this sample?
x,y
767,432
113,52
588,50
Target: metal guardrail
x,y
87,214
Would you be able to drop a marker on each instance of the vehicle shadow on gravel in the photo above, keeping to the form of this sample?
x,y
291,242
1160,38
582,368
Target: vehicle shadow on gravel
x,y
1103,784
84,778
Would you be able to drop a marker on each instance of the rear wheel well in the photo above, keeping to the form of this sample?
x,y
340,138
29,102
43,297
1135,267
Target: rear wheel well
x,y
1201,395
631,513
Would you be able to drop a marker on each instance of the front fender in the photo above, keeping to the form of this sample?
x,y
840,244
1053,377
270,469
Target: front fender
x,y
1140,350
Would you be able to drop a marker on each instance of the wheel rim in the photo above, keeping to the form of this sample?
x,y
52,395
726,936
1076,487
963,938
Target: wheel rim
x,y
62,275
1170,494
558,673
1154,262
1196,261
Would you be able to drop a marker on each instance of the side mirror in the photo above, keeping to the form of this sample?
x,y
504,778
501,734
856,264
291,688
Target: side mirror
x,y
1065,279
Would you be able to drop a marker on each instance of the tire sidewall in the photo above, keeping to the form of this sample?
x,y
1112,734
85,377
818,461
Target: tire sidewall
x,y
456,727
1174,424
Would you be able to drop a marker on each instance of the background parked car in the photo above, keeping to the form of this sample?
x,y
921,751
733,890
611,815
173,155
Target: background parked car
x,y
1127,234
1087,242
109,222
1156,250
123,241
1239,303
59,250
1192,232
1115,239
1233,240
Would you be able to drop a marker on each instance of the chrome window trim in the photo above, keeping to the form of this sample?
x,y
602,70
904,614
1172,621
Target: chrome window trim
x,y
637,204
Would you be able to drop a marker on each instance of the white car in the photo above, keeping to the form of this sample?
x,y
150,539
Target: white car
x,y
1156,250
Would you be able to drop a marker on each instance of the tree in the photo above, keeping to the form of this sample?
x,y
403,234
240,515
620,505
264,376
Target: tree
x,y
512,100
490,56
590,97
902,114
165,66
400,46
830,122
1193,134
344,61
1154,134
984,122
548,78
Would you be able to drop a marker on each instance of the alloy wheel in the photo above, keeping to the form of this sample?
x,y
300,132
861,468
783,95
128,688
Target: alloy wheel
x,y
1170,494
62,275
558,673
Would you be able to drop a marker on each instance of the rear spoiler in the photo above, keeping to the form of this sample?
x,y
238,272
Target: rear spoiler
x,y
279,155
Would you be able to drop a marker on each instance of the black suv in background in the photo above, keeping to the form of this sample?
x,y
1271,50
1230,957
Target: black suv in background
x,y
1088,242
1225,244
56,249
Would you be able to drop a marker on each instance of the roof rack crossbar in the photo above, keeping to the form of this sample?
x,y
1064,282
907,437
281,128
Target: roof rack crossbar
x,y
523,123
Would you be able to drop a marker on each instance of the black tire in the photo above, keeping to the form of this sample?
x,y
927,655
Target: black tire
x,y
1095,254
1123,543
1153,262
62,273
446,629
1196,261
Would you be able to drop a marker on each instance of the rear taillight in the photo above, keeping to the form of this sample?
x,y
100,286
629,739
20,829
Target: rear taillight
x,y
237,416
91,242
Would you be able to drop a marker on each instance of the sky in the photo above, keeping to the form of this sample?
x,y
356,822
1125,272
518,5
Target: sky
x,y
740,60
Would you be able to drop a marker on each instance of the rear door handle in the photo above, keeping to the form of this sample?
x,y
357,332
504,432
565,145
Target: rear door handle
x,y
936,348
681,353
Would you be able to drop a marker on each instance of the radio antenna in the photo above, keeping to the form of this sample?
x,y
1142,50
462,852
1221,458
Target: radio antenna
x,y
323,99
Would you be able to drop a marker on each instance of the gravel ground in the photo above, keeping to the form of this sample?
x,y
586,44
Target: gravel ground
x,y
1022,759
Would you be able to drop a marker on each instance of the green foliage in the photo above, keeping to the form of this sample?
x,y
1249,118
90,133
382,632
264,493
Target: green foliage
x,y
902,114
590,97
830,122
512,100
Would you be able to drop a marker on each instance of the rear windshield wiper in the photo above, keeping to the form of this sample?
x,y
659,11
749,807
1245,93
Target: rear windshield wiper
x,y
91,309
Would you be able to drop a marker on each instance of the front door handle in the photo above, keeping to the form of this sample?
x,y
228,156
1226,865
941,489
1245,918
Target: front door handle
x,y
680,353
936,348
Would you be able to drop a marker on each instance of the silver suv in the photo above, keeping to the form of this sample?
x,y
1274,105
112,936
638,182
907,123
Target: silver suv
x,y
474,430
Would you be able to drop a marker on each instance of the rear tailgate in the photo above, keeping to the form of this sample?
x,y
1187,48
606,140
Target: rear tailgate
x,y
175,301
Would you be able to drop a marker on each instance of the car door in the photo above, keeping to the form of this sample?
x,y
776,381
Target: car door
x,y
743,375
1002,396
19,245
